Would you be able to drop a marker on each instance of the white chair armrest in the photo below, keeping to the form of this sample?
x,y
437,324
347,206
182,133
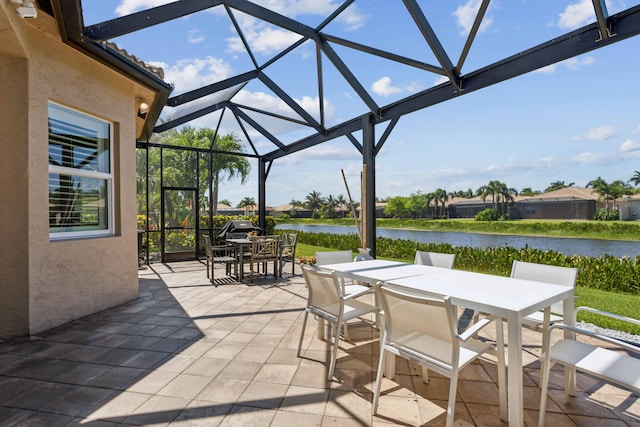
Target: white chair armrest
x,y
593,334
474,329
608,314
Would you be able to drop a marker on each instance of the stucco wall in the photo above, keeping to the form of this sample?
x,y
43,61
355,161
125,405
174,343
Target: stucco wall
x,y
73,278
14,225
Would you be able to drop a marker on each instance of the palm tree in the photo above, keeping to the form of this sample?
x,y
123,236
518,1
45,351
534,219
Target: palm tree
x,y
329,206
225,167
557,185
603,188
442,197
635,178
313,201
342,202
492,189
245,203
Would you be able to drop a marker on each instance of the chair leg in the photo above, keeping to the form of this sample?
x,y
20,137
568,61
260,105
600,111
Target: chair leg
x,y
544,387
334,356
304,326
376,389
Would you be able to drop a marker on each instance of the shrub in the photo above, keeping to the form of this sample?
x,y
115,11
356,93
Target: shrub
x,y
607,273
488,215
603,215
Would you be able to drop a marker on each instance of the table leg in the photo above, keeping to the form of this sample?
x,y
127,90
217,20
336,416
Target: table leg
x,y
241,258
514,370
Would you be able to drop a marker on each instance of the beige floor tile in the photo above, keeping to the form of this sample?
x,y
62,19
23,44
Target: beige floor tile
x,y
185,386
288,419
307,400
223,390
209,366
263,395
276,374
240,370
246,416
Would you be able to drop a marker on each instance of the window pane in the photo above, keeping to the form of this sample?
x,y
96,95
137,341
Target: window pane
x,y
77,203
78,141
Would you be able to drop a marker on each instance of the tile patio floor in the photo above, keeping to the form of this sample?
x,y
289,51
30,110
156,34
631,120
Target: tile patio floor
x,y
187,353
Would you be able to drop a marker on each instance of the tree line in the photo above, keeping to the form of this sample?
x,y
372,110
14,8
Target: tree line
x,y
421,205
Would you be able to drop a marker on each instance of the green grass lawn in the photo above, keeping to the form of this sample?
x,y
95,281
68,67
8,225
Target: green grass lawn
x,y
623,304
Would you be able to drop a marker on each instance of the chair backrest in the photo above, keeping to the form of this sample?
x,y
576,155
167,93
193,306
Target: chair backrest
x,y
333,257
421,323
265,246
557,275
207,245
288,243
324,290
435,259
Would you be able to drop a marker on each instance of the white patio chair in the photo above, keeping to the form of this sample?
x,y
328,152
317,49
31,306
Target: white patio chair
x,y
338,257
423,328
435,259
328,303
349,287
549,274
610,364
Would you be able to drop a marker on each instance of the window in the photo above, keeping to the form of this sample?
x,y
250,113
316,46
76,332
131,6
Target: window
x,y
80,175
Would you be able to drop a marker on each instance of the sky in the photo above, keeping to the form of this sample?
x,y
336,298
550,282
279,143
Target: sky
x,y
572,121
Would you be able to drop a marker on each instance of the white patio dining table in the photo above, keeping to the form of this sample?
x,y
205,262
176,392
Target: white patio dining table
x,y
511,299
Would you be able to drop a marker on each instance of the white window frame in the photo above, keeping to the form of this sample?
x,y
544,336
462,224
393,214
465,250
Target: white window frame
x,y
108,177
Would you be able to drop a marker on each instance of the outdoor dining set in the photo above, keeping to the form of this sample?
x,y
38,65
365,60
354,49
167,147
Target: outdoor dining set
x,y
417,308
257,251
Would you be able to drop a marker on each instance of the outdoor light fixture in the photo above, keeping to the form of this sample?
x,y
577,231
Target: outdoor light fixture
x,y
26,10
143,109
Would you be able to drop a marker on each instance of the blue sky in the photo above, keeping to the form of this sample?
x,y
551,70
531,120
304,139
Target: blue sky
x,y
572,121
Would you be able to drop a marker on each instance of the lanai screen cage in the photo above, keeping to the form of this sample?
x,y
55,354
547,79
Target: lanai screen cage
x,y
178,207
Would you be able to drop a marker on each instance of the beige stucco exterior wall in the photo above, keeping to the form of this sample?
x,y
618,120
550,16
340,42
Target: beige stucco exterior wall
x,y
47,283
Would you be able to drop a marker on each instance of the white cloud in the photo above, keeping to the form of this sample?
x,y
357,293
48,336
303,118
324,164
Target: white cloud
x,y
465,15
629,145
189,74
127,7
637,129
262,38
600,133
383,87
441,79
588,157
351,17
195,36
571,64
576,15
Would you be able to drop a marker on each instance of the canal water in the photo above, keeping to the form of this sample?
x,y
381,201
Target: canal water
x,y
567,246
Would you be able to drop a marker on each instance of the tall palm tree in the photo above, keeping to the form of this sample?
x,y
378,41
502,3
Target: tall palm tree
x,y
245,203
491,189
442,197
225,167
313,201
603,188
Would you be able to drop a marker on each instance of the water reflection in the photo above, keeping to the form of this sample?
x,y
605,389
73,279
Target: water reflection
x,y
567,246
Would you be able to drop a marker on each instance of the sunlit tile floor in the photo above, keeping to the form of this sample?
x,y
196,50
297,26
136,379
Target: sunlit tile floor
x,y
189,353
